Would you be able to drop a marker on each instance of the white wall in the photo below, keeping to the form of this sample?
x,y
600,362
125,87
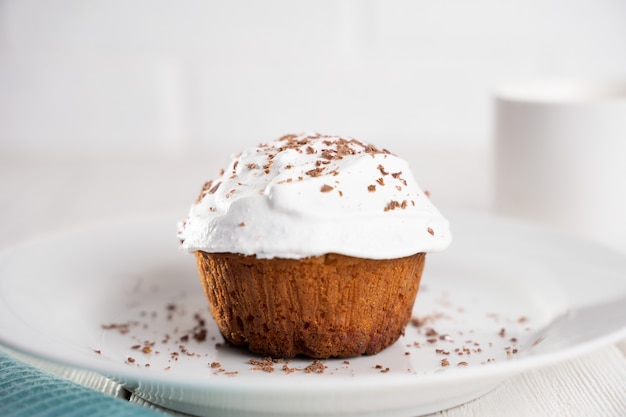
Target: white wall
x,y
168,77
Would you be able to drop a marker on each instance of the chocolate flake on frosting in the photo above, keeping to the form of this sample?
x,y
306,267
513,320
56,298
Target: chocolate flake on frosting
x,y
288,137
315,172
215,187
205,189
326,188
397,175
330,154
393,204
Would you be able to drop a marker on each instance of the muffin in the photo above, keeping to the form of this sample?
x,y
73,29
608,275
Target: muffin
x,y
313,245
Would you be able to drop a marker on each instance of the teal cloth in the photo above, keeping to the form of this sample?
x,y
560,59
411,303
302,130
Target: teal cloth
x,y
26,391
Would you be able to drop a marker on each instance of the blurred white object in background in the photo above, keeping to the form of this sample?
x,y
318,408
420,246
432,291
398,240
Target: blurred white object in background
x,y
560,156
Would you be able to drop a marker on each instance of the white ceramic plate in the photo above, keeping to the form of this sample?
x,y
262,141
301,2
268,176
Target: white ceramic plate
x,y
123,300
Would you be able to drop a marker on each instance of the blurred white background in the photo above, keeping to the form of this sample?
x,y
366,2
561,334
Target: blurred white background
x,y
163,76
160,92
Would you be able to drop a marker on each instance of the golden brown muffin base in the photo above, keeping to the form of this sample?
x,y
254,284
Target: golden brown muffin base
x,y
321,307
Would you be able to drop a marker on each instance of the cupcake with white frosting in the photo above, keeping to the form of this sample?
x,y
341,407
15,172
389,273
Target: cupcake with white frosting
x,y
313,245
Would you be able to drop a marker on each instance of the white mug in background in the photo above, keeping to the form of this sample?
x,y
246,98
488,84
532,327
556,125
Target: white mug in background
x,y
561,156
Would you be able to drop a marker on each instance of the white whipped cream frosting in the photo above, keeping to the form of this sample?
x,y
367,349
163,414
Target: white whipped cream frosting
x,y
309,195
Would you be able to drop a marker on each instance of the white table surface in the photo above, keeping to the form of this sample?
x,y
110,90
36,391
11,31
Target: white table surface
x,y
42,195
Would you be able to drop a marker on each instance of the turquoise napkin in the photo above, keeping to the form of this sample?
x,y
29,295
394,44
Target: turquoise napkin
x,y
26,391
